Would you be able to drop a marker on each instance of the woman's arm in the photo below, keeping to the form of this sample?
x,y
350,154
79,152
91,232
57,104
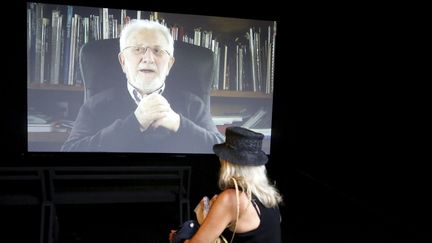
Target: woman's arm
x,y
222,213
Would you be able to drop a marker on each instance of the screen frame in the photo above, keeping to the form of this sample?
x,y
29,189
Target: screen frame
x,y
18,136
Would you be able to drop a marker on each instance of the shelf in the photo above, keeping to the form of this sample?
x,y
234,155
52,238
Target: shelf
x,y
214,93
240,94
56,87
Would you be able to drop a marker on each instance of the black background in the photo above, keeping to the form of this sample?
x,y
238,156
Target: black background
x,y
348,150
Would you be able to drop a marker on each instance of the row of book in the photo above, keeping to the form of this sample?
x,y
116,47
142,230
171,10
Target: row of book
x,y
55,34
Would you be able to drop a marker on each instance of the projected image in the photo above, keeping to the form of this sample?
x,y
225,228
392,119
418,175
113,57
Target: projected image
x,y
138,81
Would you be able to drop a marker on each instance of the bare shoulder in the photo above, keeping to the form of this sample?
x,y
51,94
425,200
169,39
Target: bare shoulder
x,y
228,196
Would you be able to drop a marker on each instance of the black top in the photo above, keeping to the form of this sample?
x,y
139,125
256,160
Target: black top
x,y
268,231
106,123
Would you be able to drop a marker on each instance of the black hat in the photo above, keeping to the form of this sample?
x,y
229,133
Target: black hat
x,y
242,146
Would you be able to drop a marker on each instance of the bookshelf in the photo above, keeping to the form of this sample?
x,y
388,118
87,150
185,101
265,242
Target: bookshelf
x,y
240,94
55,87
243,51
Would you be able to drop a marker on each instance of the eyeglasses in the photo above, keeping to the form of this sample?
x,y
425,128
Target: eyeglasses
x,y
141,50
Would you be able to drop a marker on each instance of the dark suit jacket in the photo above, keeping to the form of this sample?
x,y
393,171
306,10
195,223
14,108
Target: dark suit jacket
x,y
106,123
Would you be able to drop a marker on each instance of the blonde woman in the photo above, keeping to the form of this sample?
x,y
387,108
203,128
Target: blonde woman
x,y
250,213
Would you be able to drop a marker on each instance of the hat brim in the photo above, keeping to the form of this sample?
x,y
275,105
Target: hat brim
x,y
240,157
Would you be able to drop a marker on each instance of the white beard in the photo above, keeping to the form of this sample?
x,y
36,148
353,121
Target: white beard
x,y
146,86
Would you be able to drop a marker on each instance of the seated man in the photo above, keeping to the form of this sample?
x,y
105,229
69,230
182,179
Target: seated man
x,y
144,116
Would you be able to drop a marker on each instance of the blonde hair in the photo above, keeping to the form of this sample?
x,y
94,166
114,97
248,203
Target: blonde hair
x,y
252,180
139,24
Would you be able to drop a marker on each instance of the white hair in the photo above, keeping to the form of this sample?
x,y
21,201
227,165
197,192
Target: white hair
x,y
139,24
252,180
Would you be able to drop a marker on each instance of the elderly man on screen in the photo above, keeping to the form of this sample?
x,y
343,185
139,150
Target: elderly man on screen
x,y
146,115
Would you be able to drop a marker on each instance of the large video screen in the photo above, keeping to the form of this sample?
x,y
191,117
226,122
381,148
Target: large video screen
x,y
139,81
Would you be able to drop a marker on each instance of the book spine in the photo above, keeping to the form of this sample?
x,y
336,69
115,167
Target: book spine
x,y
67,45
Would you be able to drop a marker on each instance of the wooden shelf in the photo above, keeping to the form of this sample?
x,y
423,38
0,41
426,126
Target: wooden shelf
x,y
57,87
214,93
241,94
